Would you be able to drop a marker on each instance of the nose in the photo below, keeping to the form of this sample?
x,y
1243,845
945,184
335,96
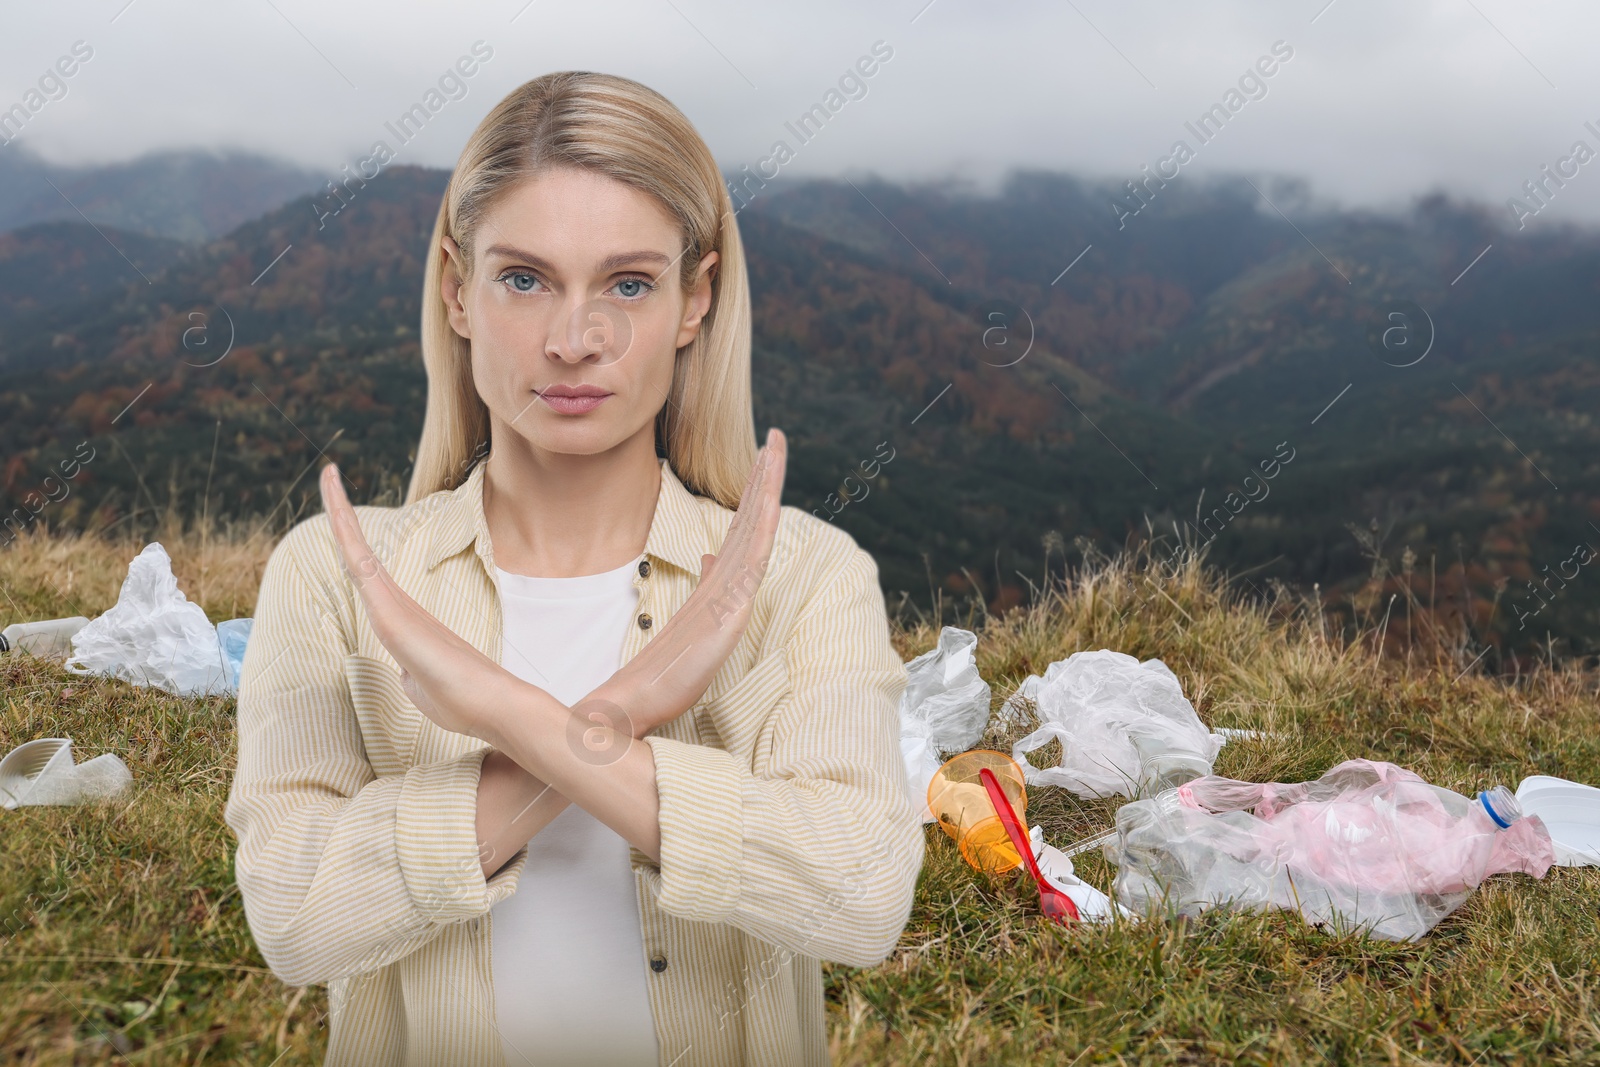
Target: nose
x,y
595,330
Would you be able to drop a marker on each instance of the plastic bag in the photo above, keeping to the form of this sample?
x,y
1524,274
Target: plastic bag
x,y
945,708
1368,845
1125,727
153,635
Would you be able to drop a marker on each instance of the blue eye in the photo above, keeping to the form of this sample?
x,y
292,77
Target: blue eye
x,y
643,289
524,281
517,285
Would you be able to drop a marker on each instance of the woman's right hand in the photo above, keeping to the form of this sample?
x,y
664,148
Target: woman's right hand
x,y
672,671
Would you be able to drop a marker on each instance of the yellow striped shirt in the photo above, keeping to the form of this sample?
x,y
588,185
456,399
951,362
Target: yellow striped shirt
x,y
788,835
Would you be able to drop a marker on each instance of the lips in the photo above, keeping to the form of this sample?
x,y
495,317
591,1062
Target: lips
x,y
574,390
573,399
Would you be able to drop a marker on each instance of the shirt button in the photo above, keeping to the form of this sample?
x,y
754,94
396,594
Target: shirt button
x,y
644,620
658,963
644,568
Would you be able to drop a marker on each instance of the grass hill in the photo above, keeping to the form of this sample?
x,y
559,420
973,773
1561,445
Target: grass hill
x,y
124,939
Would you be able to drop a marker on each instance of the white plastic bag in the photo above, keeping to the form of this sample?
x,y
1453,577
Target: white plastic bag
x,y
153,635
945,708
1125,727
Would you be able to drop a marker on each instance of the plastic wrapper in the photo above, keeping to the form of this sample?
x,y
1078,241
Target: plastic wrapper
x,y
1125,727
1368,845
234,636
945,708
153,635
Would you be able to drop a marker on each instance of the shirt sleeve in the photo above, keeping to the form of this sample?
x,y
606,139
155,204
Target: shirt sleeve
x,y
341,871
820,854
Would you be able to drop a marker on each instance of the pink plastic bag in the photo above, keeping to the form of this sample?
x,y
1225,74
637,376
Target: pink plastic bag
x,y
1368,845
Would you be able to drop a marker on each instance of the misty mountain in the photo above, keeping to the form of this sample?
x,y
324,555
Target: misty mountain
x,y
954,395
188,196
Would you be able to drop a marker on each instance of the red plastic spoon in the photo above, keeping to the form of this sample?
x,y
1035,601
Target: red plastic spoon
x,y
1052,901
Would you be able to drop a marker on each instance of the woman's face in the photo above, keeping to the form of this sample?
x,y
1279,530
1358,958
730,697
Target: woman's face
x,y
575,290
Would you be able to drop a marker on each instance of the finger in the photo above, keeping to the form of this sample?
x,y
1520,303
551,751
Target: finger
x,y
769,489
362,564
763,490
746,551
753,482
756,525
404,626
749,498
779,469
729,577
360,561
756,543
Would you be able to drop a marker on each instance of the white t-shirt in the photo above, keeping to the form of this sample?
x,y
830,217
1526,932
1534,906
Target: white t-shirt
x,y
568,958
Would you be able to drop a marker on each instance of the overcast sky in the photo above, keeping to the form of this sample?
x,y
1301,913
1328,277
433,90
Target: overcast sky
x,y
1379,102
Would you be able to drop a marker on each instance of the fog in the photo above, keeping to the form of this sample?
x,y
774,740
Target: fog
x,y
1376,104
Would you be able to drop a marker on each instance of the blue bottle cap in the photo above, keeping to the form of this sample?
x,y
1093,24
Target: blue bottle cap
x,y
1483,798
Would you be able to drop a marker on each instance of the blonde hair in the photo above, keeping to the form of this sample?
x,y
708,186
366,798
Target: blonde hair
x,y
620,128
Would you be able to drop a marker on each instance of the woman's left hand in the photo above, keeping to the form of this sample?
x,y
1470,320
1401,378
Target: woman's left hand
x,y
449,680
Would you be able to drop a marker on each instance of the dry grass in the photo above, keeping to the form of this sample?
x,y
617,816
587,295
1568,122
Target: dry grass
x,y
123,932
49,574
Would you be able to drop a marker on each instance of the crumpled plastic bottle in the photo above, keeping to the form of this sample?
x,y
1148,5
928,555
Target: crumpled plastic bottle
x,y
1368,845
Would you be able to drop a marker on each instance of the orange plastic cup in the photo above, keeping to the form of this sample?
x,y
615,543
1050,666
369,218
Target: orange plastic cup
x,y
961,805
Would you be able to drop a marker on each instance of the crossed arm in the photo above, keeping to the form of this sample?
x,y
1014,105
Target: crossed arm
x,y
342,871
588,755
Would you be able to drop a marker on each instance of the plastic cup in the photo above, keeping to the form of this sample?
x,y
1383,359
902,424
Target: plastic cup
x,y
961,806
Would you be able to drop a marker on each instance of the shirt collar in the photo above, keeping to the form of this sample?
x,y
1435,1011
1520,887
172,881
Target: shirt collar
x,y
677,532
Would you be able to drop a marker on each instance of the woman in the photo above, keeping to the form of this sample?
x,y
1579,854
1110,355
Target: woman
x,y
566,761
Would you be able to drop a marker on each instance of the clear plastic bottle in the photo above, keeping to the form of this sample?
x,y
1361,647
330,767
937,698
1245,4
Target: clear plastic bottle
x,y
1502,805
52,637
1368,844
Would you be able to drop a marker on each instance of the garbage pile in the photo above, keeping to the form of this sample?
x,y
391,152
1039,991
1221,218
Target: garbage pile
x,y
1368,846
153,636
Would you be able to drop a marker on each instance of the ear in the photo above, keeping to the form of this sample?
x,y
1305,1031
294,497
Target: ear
x,y
699,301
450,286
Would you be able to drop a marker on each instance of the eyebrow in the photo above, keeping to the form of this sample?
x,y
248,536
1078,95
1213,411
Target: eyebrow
x,y
621,259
